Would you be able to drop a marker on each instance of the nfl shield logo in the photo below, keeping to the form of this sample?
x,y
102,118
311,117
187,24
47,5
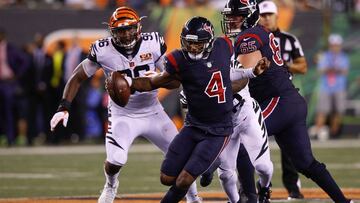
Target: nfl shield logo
x,y
131,64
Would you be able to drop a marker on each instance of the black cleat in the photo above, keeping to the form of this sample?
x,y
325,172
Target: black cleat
x,y
206,179
264,193
295,195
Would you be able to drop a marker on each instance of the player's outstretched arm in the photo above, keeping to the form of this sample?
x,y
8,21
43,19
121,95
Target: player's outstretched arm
x,y
70,91
163,79
243,73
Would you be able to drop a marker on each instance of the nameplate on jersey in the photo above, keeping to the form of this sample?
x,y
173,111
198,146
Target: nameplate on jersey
x,y
145,57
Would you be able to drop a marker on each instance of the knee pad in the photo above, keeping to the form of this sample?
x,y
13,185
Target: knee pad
x,y
225,175
314,170
265,169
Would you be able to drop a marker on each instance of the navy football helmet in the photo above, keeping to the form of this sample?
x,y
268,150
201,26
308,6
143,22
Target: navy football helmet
x,y
239,15
197,37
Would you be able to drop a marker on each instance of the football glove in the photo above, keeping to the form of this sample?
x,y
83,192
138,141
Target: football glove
x,y
62,114
59,116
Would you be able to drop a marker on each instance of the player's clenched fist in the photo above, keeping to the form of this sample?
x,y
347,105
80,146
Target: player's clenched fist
x,y
261,66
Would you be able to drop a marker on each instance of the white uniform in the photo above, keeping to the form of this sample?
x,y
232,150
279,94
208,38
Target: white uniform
x,y
250,130
143,115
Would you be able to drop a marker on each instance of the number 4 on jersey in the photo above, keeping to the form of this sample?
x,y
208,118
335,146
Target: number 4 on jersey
x,y
215,87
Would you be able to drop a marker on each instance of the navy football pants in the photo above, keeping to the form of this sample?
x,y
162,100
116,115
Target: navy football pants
x,y
192,150
285,118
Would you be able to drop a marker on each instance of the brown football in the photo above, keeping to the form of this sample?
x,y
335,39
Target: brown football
x,y
118,88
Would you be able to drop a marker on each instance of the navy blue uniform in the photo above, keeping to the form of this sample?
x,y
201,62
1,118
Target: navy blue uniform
x,y
274,81
284,109
208,124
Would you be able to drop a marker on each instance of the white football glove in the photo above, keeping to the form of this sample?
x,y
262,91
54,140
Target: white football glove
x,y
61,115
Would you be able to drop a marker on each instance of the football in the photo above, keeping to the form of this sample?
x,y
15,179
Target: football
x,y
118,88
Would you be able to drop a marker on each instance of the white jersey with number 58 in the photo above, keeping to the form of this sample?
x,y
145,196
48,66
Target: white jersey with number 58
x,y
147,56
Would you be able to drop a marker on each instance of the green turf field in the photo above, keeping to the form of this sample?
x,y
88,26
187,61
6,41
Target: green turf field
x,y
77,171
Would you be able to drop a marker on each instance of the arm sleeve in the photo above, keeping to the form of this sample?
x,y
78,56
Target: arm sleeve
x,y
171,65
92,56
162,46
247,43
90,67
241,73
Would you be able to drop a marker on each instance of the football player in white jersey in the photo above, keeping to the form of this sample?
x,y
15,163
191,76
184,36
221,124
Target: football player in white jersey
x,y
133,53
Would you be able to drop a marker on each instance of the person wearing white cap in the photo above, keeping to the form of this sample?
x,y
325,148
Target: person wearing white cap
x,y
333,67
295,63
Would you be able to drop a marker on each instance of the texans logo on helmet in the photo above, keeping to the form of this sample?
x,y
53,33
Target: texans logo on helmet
x,y
246,2
207,28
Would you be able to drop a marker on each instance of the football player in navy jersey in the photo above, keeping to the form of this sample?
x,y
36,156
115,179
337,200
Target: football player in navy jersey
x,y
283,108
202,66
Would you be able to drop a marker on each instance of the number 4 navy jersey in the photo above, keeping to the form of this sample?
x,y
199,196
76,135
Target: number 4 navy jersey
x,y
207,86
275,80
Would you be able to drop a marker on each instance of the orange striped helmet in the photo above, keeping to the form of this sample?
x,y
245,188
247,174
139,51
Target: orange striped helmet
x,y
125,27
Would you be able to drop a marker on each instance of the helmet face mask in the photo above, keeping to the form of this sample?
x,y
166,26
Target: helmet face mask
x,y
197,38
195,49
231,25
126,36
239,15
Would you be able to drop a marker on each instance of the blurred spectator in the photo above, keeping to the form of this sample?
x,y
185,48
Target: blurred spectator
x,y
39,111
333,68
80,4
357,5
73,57
56,86
13,64
94,125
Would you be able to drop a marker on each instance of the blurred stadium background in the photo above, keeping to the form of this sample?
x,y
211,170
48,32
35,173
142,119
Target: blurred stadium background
x,y
64,29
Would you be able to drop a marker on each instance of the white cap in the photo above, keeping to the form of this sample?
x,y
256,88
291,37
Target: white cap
x,y
335,39
267,7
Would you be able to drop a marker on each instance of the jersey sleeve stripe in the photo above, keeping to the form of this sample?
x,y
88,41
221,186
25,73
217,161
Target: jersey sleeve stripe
x,y
173,61
229,43
249,35
270,107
